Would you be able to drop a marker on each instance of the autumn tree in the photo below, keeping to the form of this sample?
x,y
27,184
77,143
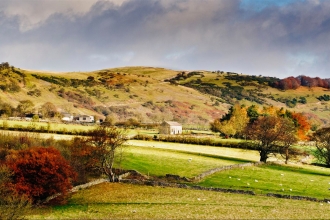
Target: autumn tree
x,y
288,138
85,158
48,110
109,140
269,133
233,123
322,143
12,205
40,172
302,125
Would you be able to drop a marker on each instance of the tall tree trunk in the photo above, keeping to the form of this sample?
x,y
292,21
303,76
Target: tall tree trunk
x,y
286,155
263,156
111,176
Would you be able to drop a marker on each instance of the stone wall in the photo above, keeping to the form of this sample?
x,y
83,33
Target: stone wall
x,y
218,169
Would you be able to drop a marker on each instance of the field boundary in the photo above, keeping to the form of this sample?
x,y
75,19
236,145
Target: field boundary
x,y
218,169
223,190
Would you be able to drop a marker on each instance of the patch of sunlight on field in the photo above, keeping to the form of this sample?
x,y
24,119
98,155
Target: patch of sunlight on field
x,y
218,151
125,201
159,162
290,180
52,126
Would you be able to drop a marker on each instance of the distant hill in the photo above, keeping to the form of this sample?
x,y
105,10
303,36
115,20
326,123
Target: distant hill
x,y
150,94
310,97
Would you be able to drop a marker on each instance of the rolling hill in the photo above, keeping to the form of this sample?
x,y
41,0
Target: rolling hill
x,y
150,94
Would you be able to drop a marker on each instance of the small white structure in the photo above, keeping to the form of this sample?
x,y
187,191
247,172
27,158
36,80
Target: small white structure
x,y
67,117
84,118
170,127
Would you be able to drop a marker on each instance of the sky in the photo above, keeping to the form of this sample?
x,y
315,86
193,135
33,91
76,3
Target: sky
x,y
278,38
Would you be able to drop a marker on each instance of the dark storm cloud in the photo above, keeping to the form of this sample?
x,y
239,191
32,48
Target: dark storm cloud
x,y
284,39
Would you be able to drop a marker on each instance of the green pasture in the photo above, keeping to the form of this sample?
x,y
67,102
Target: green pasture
x,y
290,180
159,162
125,201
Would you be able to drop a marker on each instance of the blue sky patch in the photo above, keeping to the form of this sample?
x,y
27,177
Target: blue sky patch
x,y
259,5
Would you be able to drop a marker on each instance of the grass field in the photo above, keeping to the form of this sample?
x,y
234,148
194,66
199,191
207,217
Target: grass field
x,y
291,180
124,201
159,162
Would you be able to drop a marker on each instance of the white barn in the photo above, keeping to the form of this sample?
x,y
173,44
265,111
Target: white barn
x,y
67,117
170,127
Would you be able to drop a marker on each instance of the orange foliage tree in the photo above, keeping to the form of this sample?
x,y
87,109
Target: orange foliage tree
x,y
270,134
302,125
40,172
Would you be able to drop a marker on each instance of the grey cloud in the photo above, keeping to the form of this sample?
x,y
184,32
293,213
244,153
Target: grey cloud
x,y
187,34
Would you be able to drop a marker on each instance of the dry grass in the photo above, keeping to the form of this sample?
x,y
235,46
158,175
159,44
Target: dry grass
x,y
217,151
123,201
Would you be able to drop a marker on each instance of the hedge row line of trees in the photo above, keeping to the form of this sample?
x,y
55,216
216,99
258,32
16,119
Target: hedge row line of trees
x,y
47,110
273,130
295,82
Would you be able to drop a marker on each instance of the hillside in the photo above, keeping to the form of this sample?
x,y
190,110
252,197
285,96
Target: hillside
x,y
228,87
150,94
134,92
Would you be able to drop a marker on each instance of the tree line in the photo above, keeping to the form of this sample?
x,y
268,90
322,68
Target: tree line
x,y
268,129
295,82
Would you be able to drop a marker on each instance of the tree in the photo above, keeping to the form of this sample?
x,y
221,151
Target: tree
x,y
48,110
288,139
6,109
110,119
269,134
40,172
85,158
24,106
233,123
302,124
322,143
109,140
253,113
12,206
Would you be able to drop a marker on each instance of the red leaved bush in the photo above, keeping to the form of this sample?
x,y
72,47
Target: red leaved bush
x,y
85,159
40,172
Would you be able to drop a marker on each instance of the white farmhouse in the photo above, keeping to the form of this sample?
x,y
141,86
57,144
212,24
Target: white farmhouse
x,y
84,118
170,127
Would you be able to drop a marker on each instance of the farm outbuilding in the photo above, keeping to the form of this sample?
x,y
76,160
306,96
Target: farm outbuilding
x,y
170,127
67,117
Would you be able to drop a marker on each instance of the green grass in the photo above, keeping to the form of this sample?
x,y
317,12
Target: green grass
x,y
124,201
160,162
290,180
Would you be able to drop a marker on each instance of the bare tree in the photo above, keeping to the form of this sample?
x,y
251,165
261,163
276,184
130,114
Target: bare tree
x,y
109,140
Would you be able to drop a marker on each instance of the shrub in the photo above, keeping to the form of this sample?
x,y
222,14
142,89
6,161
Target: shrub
x,y
40,172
